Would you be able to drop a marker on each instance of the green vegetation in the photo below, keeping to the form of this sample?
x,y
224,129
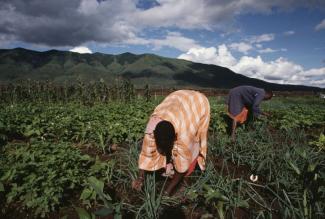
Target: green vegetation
x,y
56,160
39,175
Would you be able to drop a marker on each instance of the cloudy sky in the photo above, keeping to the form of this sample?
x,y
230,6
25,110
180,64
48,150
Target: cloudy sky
x,y
277,41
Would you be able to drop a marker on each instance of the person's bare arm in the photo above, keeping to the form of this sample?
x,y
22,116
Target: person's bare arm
x,y
173,183
233,130
266,114
203,132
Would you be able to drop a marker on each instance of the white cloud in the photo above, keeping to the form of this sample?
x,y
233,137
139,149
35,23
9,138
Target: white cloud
x,y
270,50
241,47
289,33
88,7
258,45
172,39
175,40
280,70
267,50
190,14
211,55
262,38
178,41
255,43
81,49
320,26
208,13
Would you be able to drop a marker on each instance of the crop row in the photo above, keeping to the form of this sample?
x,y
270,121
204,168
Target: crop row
x,y
118,122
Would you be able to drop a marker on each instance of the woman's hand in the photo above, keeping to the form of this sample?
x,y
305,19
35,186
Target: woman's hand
x,y
137,183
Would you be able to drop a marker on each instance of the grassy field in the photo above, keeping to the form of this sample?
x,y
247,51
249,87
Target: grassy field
x,y
77,159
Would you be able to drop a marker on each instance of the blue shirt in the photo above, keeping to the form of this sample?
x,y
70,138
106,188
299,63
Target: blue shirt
x,y
245,96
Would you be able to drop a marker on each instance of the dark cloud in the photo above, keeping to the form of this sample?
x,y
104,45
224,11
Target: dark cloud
x,y
61,22
273,78
46,8
75,22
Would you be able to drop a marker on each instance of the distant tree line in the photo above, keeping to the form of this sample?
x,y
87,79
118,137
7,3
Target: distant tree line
x,y
99,91
48,91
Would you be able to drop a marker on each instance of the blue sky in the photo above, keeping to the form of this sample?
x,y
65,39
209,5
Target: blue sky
x,y
277,41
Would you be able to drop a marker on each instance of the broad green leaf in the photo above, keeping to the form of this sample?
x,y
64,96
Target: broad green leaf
x,y
104,212
98,186
83,214
86,194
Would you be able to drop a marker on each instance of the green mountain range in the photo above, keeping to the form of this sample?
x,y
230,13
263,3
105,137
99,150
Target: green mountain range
x,y
63,66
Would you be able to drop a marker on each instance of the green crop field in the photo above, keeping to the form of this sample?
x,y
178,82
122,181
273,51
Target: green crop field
x,y
75,156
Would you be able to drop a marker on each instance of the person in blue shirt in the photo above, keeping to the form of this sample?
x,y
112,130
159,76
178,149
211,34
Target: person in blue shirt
x,y
242,98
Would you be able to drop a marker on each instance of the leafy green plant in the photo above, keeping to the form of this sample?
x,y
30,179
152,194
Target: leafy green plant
x,y
40,174
104,172
216,198
320,143
310,175
96,191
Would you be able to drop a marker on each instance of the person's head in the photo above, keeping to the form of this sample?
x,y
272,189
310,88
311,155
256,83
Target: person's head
x,y
268,95
165,136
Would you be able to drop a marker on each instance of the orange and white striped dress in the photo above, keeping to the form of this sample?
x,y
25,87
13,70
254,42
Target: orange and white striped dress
x,y
189,112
